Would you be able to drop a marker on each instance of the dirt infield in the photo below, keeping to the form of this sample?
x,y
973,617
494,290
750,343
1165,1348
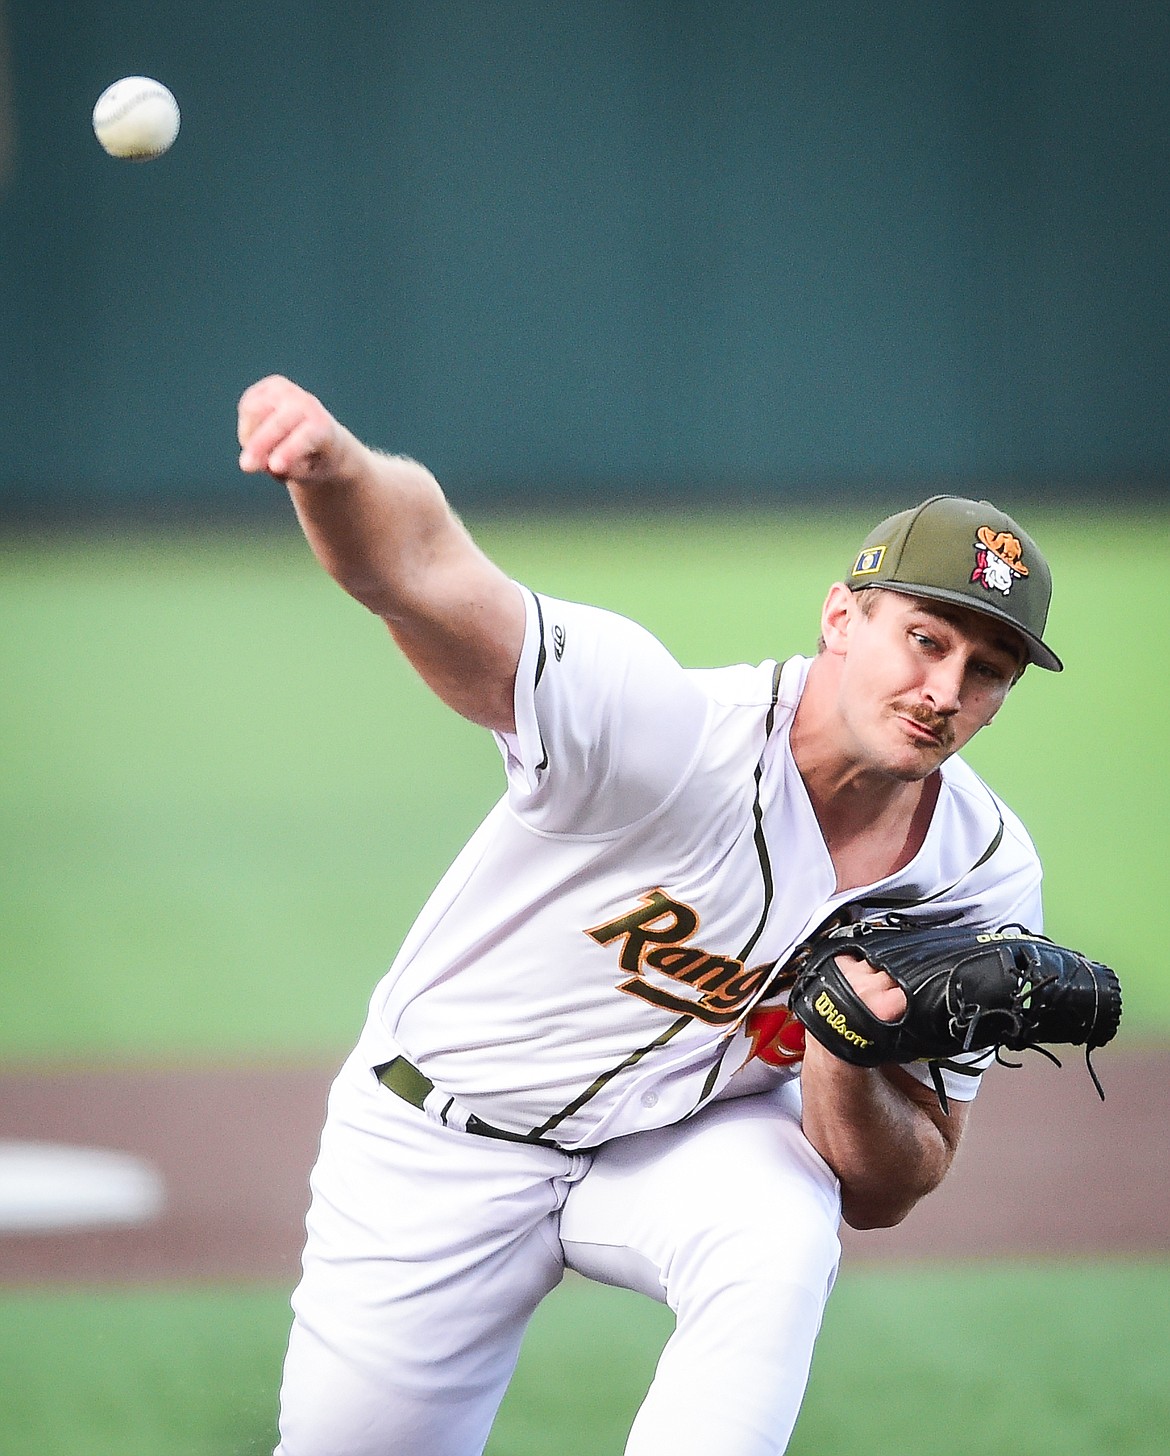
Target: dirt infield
x,y
1045,1169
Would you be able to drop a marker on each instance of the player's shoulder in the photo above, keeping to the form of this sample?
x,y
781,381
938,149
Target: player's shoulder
x,y
978,866
752,685
739,685
974,800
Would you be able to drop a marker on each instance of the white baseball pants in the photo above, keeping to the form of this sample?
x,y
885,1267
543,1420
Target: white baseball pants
x,y
429,1248
731,1219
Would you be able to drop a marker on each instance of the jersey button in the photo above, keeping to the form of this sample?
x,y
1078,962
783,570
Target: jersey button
x,y
649,1099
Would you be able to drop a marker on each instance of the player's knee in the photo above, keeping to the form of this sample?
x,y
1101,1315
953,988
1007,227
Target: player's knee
x,y
755,1256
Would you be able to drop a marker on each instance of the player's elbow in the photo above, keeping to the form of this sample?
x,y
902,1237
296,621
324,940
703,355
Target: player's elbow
x,y
869,1209
884,1200
881,1207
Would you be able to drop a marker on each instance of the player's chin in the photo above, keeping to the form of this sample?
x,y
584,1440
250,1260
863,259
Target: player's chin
x,y
915,761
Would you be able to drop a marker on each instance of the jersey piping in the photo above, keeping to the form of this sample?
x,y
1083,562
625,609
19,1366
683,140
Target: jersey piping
x,y
894,902
758,812
541,659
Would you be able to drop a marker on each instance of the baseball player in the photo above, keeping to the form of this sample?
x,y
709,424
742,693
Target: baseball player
x,y
581,1054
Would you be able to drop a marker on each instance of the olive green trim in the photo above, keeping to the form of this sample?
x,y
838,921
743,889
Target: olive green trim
x,y
606,1077
758,815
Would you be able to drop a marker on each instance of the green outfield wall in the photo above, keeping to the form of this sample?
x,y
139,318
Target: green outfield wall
x,y
747,248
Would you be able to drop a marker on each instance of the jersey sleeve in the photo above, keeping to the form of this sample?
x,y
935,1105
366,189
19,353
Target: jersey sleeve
x,y
608,723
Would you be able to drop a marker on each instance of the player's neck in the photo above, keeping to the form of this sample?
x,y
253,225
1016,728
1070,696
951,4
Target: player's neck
x,y
869,837
873,822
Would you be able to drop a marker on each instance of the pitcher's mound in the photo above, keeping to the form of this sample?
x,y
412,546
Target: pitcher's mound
x,y
47,1186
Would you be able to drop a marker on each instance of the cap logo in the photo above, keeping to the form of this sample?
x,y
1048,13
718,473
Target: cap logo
x,y
868,561
998,560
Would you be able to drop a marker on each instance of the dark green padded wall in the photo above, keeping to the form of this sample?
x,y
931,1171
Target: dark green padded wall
x,y
770,248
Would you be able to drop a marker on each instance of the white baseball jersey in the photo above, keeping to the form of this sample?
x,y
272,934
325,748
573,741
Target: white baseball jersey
x,y
599,957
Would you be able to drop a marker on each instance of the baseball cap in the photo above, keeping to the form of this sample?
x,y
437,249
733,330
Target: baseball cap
x,y
967,552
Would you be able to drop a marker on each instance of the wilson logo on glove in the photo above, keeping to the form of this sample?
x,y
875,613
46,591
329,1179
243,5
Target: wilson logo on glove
x,y
838,1023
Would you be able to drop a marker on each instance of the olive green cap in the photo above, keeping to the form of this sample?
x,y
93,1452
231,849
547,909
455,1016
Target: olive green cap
x,y
967,552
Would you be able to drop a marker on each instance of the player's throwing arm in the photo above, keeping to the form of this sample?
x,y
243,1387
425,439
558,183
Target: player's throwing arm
x,y
382,528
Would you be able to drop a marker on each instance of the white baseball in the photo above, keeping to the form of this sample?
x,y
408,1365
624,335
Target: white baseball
x,y
136,118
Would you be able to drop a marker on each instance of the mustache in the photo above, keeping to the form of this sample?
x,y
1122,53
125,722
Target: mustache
x,y
937,723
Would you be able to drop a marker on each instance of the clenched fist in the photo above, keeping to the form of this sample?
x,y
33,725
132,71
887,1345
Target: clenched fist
x,y
879,992
288,432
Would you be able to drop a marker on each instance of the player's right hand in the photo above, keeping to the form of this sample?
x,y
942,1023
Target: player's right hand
x,y
880,992
288,432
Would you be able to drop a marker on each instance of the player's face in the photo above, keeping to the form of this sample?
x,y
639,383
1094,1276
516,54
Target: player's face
x,y
918,678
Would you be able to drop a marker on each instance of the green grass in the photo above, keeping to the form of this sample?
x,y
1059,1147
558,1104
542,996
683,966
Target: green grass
x,y
223,797
1020,1360
1048,1360
222,800
127,1372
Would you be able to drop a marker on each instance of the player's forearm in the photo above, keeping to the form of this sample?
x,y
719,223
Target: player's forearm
x,y
379,524
386,533
888,1147
381,527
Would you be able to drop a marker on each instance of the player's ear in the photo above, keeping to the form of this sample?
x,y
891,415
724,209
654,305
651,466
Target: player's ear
x,y
837,616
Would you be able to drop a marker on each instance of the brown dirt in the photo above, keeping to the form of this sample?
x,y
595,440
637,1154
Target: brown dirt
x,y
1045,1169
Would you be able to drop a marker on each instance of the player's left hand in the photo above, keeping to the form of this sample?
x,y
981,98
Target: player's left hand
x,y
964,990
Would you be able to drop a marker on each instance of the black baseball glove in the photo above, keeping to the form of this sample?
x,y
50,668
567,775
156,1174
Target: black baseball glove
x,y
966,990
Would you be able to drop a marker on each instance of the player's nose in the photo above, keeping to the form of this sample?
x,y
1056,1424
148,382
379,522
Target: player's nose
x,y
943,688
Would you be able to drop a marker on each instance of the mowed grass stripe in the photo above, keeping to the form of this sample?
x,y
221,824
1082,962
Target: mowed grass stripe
x,y
223,797
1039,1360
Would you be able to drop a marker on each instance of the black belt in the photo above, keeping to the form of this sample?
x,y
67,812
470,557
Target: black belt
x,y
406,1081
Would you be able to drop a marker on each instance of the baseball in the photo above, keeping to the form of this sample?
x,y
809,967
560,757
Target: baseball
x,y
136,118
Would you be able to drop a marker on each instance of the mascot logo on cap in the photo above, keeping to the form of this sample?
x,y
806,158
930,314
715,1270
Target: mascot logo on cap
x,y
998,560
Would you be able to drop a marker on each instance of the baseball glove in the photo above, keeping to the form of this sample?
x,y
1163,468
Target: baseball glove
x,y
966,990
